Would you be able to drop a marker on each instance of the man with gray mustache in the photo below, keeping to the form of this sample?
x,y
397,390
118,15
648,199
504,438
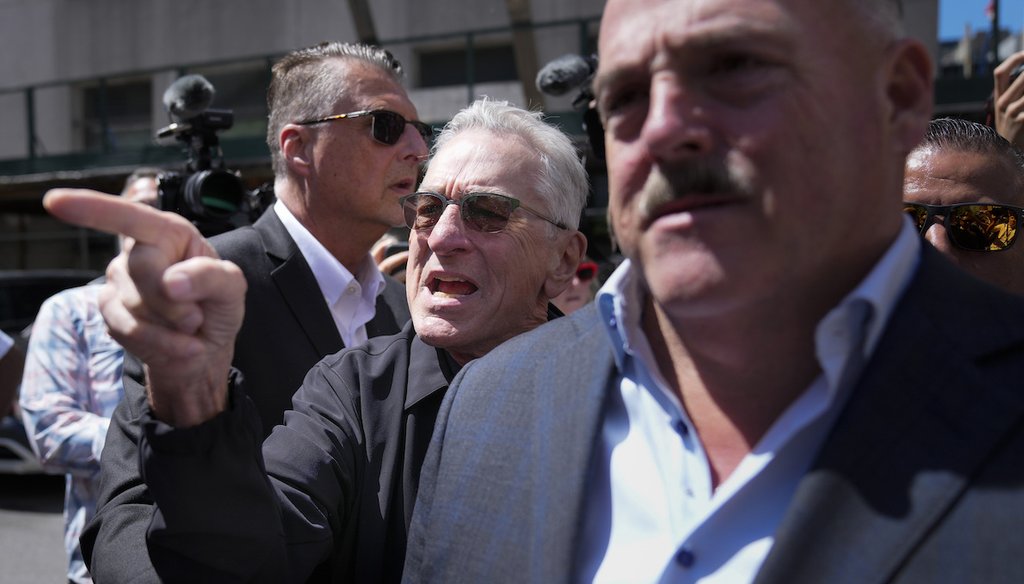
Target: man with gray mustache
x,y
782,383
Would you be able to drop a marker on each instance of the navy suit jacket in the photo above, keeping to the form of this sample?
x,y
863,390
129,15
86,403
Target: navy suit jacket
x,y
920,480
287,330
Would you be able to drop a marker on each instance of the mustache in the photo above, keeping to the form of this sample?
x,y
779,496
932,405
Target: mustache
x,y
666,185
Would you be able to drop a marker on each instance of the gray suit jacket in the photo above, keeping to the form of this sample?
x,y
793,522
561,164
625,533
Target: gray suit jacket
x,y
920,480
287,330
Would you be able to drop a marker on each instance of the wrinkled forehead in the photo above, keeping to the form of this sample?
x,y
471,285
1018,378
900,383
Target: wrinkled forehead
x,y
634,31
943,176
475,160
638,22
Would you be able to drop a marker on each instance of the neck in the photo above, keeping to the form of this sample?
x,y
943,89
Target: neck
x,y
348,241
735,375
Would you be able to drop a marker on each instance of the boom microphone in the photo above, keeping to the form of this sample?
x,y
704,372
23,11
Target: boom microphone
x,y
188,97
565,74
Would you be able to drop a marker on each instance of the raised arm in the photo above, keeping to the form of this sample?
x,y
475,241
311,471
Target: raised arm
x,y
168,299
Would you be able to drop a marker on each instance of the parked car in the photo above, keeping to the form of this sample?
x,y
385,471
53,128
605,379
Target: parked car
x,y
22,292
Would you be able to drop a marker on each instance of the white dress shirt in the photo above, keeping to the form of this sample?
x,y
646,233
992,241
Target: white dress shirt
x,y
652,513
352,299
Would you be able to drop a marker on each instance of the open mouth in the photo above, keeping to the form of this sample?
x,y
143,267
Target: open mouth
x,y
450,287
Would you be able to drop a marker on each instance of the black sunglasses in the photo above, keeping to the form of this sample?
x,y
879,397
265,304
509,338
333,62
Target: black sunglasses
x,y
387,127
485,212
971,226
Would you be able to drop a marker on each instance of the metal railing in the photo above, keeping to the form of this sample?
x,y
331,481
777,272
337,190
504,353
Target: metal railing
x,y
109,154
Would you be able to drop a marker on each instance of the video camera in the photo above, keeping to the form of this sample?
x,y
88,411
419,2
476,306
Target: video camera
x,y
209,195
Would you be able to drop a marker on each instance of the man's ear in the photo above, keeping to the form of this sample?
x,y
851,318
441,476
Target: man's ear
x,y
297,149
910,92
564,268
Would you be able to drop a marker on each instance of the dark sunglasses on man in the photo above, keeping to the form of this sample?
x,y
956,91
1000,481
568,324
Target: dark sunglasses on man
x,y
386,127
486,212
971,226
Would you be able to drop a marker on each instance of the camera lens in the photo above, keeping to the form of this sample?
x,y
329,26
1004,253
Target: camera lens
x,y
214,194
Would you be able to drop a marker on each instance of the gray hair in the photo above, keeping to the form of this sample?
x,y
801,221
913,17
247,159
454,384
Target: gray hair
x,y
306,83
966,136
562,181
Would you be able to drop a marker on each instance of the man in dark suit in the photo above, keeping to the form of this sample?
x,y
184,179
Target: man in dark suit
x,y
493,239
781,383
312,286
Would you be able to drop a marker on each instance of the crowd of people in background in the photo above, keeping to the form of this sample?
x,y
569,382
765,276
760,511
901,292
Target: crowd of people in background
x,y
416,367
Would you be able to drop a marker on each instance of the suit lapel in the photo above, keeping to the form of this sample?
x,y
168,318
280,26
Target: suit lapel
x,y
926,414
297,285
571,409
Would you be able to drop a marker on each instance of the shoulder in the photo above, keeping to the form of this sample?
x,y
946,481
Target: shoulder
x,y
73,305
236,243
551,342
955,303
561,354
378,358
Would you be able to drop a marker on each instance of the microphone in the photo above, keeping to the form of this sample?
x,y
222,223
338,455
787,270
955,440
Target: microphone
x,y
188,97
565,74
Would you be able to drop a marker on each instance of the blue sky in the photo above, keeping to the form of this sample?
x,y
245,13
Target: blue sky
x,y
953,14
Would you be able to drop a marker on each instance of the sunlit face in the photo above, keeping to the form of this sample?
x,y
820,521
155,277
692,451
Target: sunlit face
x,y
944,177
468,290
747,153
354,176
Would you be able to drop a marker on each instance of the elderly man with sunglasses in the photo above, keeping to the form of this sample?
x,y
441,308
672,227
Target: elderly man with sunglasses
x,y
329,497
964,190
345,146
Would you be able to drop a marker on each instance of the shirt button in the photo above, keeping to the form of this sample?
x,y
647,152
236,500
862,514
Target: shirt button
x,y
682,428
612,323
350,290
685,557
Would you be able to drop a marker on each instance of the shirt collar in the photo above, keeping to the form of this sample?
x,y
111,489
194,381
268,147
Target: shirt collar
x,y
430,370
330,274
620,304
880,290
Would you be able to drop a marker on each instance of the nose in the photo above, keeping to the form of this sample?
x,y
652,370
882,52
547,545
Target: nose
x,y
677,123
449,234
937,236
415,147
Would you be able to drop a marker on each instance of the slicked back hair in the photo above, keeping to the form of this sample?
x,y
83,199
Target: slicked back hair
x,y
306,83
952,134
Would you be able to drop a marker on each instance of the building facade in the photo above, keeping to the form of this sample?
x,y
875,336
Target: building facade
x,y
81,84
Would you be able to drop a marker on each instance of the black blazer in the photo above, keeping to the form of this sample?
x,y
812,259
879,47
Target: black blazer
x,y
287,329
336,495
920,480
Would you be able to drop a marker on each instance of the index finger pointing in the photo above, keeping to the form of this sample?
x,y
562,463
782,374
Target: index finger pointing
x,y
110,214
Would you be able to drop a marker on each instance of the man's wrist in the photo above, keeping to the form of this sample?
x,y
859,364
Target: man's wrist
x,y
184,403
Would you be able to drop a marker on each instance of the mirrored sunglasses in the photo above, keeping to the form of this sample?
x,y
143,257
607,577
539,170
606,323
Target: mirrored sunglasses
x,y
971,226
387,126
486,212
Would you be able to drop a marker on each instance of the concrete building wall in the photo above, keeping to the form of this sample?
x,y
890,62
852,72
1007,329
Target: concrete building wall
x,y
921,18
57,41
